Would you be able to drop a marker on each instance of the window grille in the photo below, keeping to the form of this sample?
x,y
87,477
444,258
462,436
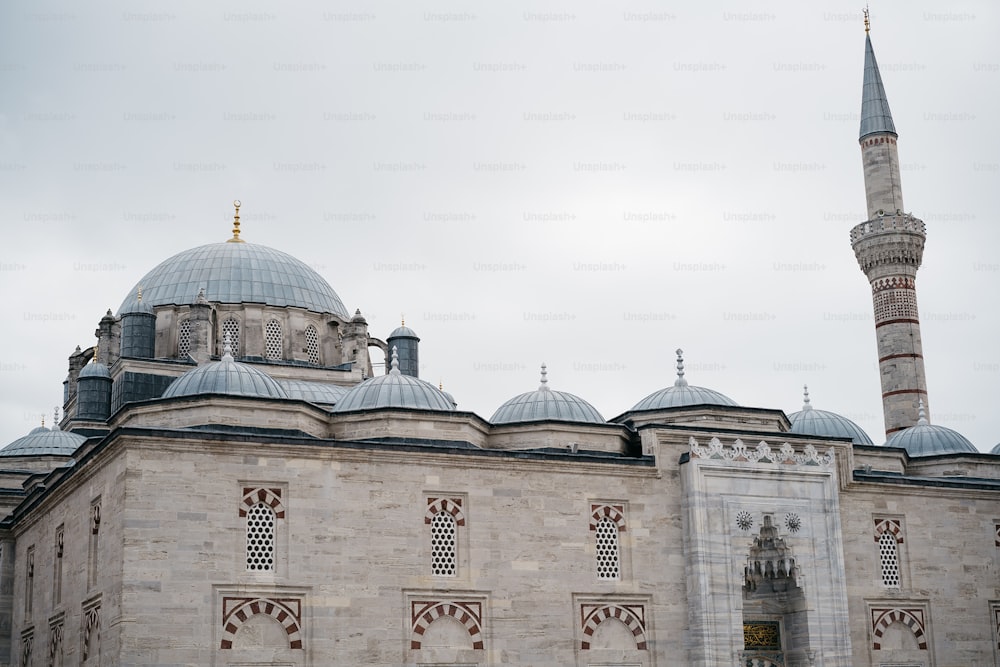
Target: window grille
x,y
184,339
260,538
443,549
231,331
312,344
272,340
608,565
889,557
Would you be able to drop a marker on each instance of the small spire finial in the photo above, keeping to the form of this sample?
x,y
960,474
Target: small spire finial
x,y
680,381
921,413
97,349
138,293
227,347
868,24
201,299
805,398
236,224
545,377
394,364
55,416
43,421
402,320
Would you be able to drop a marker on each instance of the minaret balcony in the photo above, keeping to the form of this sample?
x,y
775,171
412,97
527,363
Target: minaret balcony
x,y
889,223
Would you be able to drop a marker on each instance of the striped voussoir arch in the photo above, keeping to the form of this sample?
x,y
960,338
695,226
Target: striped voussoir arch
x,y
632,616
911,618
599,511
253,495
236,611
452,506
425,612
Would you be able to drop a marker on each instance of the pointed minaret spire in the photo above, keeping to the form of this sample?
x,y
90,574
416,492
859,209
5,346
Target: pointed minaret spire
x,y
889,247
921,413
680,381
544,386
806,405
395,362
875,114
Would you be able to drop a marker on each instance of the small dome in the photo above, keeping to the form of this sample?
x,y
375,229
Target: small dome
x,y
226,376
394,390
545,403
236,273
996,449
403,331
925,439
313,392
41,441
823,424
681,394
95,370
137,306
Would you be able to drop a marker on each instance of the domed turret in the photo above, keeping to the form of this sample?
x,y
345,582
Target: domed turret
x,y
138,329
93,396
394,390
925,439
823,424
405,341
546,404
681,394
226,376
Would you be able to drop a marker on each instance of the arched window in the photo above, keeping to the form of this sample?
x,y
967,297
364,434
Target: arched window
x,y
889,558
184,339
231,333
443,545
312,344
272,340
608,562
260,538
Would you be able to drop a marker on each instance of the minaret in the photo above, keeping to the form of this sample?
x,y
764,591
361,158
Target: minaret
x,y
889,247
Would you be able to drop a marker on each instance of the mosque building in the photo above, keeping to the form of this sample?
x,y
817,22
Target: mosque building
x,y
230,484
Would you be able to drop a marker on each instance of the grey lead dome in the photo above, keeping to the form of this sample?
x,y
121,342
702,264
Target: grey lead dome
x,y
225,377
41,441
236,273
543,404
681,394
821,423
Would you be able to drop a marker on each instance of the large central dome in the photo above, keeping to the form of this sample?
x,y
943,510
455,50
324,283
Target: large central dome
x,y
237,273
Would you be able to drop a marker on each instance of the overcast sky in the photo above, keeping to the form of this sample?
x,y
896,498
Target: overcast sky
x,y
587,184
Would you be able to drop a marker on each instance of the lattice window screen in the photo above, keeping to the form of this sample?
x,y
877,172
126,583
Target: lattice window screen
x,y
312,344
443,545
272,339
608,565
184,339
889,558
260,538
231,331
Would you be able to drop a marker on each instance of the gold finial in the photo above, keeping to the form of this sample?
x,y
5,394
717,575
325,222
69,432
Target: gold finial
x,y
868,24
97,349
402,320
236,224
138,293
440,385
43,421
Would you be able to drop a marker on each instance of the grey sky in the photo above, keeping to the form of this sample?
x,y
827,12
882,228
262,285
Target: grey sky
x,y
588,184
